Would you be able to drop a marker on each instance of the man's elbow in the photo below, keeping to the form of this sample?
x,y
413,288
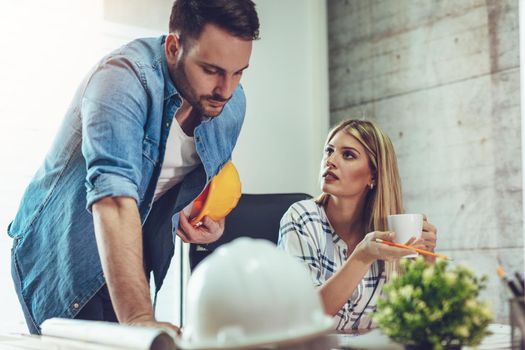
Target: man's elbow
x,y
117,204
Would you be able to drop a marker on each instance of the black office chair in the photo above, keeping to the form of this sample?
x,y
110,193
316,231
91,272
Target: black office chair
x,y
256,216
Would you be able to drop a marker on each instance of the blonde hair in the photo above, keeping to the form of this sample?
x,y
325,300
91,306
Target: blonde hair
x,y
386,198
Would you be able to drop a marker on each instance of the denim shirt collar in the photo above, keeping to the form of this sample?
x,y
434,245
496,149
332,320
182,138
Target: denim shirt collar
x,y
170,90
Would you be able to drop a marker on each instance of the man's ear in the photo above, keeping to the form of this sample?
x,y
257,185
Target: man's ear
x,y
173,48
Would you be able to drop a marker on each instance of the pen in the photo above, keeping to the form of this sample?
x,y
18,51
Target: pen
x,y
512,286
520,280
421,251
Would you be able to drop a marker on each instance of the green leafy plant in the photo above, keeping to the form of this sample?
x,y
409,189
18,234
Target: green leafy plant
x,y
433,306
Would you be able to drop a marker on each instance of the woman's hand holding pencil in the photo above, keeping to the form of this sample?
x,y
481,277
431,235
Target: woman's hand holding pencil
x,y
369,250
412,248
428,239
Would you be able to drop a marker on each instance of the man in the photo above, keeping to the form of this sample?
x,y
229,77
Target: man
x,y
151,124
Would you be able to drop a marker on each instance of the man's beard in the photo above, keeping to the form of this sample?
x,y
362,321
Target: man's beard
x,y
188,93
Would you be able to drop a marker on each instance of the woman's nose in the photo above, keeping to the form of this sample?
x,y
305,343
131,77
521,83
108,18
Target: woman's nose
x,y
330,161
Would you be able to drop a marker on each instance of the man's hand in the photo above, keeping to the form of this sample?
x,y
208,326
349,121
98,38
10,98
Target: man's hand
x,y
208,232
149,322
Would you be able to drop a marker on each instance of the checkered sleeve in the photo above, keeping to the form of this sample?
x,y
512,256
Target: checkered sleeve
x,y
297,240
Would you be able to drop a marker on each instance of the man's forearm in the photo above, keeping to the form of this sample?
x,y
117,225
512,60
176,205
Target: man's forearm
x,y
119,239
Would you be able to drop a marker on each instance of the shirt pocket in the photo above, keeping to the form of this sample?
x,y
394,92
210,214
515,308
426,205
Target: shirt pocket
x,y
150,150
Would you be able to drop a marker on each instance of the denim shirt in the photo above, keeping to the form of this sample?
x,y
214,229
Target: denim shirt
x,y
111,143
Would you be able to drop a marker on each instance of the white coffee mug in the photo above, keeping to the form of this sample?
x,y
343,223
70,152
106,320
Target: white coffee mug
x,y
405,226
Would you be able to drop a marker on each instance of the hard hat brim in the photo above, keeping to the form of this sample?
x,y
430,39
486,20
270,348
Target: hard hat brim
x,y
223,194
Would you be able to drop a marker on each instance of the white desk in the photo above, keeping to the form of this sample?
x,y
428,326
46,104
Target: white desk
x,y
373,340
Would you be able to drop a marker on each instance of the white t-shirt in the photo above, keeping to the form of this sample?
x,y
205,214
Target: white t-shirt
x,y
180,159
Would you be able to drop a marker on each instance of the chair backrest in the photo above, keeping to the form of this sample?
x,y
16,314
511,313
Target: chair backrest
x,y
255,216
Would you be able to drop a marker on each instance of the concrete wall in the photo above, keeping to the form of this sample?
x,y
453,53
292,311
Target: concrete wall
x,y
442,78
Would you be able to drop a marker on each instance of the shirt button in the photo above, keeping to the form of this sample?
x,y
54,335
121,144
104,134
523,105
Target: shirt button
x,y
76,305
167,125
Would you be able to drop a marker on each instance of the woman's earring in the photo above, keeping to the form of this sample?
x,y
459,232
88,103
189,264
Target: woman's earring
x,y
371,186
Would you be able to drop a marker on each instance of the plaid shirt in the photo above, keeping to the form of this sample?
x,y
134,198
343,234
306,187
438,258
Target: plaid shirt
x,y
306,233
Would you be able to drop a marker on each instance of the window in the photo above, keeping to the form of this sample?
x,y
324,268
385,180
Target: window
x,y
47,47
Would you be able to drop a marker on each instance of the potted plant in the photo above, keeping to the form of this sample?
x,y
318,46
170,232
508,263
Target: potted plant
x,y
433,306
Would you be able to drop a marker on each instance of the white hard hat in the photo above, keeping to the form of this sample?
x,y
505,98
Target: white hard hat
x,y
249,293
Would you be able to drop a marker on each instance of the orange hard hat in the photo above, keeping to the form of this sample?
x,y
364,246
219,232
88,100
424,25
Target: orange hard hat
x,y
220,196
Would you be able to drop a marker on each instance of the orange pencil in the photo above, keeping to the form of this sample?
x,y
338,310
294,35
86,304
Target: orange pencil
x,y
421,251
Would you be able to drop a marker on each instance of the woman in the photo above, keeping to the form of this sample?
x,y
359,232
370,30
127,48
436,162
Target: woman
x,y
334,234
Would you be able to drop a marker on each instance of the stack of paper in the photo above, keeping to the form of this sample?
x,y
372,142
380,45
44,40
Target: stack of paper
x,y
62,334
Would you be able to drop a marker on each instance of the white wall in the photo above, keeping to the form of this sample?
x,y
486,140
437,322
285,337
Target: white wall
x,y
286,85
